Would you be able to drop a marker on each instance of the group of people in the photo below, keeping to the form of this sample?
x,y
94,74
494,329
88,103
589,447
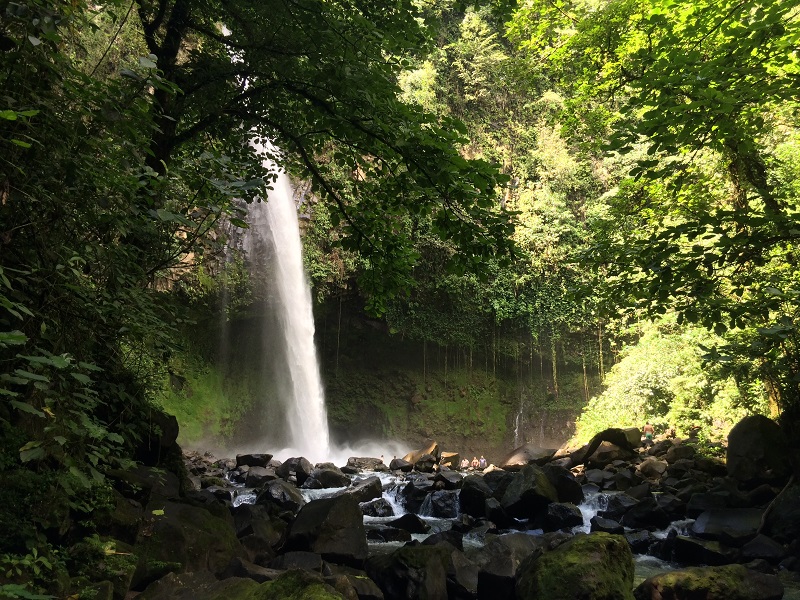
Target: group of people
x,y
476,463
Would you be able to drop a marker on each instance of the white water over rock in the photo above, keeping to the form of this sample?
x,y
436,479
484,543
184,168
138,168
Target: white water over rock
x,y
274,228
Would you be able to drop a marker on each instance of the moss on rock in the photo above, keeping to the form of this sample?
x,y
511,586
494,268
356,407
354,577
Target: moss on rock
x,y
729,582
598,566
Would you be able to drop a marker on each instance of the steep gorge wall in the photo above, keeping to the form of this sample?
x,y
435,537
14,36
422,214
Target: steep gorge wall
x,y
379,387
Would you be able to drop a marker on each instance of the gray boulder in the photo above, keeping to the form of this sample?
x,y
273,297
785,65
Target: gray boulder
x,y
332,528
365,490
253,460
282,494
758,451
366,463
299,466
529,493
525,455
330,476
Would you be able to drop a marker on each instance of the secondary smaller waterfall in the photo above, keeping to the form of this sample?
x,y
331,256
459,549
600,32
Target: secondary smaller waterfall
x,y
274,228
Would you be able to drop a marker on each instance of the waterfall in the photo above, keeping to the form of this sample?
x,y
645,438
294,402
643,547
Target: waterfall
x,y
289,326
519,437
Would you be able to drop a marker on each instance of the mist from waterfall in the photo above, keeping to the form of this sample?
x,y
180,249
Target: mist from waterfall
x,y
273,243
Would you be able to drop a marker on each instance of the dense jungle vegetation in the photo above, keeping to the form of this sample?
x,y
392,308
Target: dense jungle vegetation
x,y
607,184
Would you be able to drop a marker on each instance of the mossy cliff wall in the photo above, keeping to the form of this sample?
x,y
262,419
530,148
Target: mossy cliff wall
x,y
379,386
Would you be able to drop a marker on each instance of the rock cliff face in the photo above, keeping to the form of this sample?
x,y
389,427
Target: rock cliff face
x,y
381,387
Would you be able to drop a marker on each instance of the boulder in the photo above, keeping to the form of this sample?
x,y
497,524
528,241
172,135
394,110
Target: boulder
x,y
765,548
414,494
497,515
703,501
646,514
444,504
448,480
330,476
411,523
255,519
606,525
619,438
378,507
426,463
597,566
454,538
413,456
365,489
142,482
331,527
253,460
282,494
308,561
783,520
259,476
498,481
450,460
606,453
413,571
680,452
652,468
617,505
497,563
598,477
525,455
179,538
160,443
388,534
567,487
733,522
561,515
355,584
730,582
529,492
366,463
299,466
758,451
694,551
398,464
242,568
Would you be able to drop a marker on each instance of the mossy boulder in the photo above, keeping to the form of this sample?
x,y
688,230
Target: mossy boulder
x,y
598,566
529,493
178,538
292,585
729,582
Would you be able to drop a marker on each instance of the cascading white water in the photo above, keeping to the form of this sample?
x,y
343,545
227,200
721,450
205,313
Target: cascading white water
x,y
274,226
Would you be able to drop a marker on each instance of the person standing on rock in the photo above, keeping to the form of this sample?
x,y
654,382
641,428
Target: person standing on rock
x,y
475,462
649,432
464,463
482,462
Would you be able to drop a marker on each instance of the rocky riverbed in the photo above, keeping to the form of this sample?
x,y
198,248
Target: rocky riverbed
x,y
545,524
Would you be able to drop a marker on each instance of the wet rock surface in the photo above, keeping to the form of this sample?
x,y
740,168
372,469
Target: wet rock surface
x,y
556,525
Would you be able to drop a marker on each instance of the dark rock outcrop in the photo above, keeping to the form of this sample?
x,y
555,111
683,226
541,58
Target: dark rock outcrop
x,y
529,493
758,451
330,527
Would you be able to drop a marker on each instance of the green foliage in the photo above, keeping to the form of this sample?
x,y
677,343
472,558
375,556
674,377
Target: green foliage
x,y
208,402
663,378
